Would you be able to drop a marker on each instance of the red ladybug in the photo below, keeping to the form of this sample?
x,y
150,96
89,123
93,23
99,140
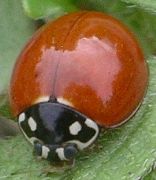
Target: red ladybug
x,y
81,72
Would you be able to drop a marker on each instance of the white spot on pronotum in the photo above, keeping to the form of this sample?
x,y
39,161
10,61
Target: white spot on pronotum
x,y
64,101
21,117
30,139
82,145
45,151
75,128
32,124
42,99
60,153
91,124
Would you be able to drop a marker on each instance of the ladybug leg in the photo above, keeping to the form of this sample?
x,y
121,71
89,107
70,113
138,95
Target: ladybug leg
x,y
56,152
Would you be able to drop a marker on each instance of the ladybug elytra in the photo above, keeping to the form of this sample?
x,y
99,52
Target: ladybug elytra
x,y
79,73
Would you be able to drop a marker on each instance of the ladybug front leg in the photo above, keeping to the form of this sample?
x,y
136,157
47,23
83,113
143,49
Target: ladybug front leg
x,y
55,152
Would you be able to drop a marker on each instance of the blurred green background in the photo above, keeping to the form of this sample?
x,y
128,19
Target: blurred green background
x,y
127,152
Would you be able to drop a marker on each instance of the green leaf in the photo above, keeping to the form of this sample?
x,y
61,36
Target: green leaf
x,y
126,12
8,128
15,29
127,152
151,175
149,5
44,8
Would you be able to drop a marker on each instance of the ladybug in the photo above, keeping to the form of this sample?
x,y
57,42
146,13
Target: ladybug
x,y
80,73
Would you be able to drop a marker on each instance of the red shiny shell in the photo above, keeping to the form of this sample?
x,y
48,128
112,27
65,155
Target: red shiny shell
x,y
89,59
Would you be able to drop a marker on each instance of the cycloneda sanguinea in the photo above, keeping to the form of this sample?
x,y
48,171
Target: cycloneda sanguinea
x,y
81,72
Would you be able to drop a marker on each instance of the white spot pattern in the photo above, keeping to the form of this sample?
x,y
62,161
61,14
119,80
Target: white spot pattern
x,y
45,151
21,117
31,139
60,153
75,128
91,124
32,124
82,145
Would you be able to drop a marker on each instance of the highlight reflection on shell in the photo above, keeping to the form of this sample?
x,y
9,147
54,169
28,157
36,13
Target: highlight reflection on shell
x,y
90,60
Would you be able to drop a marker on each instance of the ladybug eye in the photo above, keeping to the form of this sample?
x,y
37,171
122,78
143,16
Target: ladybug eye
x,y
70,151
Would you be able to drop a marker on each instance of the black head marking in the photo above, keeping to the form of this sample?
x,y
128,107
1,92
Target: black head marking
x,y
56,125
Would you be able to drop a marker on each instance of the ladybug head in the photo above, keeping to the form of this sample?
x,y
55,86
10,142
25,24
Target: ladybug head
x,y
57,131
